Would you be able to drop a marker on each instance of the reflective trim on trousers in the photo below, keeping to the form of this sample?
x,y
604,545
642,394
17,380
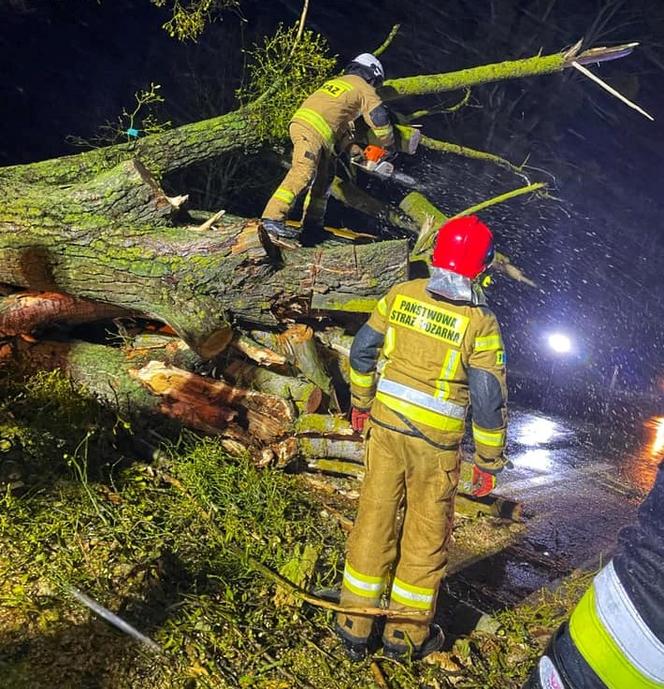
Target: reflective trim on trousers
x,y
422,399
488,343
318,122
362,380
284,195
413,596
490,438
362,584
613,638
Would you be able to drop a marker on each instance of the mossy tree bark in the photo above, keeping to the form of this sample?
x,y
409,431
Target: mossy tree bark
x,y
97,225
114,240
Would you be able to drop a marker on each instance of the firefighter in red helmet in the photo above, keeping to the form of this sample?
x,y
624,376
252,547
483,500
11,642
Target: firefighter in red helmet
x,y
440,350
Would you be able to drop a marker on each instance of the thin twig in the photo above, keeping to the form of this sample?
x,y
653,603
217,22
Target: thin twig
x,y
466,152
440,108
611,90
425,241
501,198
303,19
379,676
386,43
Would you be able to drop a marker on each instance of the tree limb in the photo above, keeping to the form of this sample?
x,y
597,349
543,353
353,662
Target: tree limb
x,y
425,240
474,154
387,42
512,69
438,109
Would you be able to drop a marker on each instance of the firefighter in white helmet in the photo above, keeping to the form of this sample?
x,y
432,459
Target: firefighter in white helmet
x,y
320,129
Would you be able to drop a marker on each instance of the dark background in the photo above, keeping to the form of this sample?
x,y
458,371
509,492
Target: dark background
x,y
596,249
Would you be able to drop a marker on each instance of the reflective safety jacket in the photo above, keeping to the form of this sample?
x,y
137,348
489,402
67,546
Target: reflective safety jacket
x,y
615,636
437,356
337,103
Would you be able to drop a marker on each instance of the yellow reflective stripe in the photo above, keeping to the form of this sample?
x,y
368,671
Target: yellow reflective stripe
x,y
363,577
390,342
382,132
448,372
487,343
600,650
284,195
362,380
382,307
317,121
491,438
425,416
413,596
362,584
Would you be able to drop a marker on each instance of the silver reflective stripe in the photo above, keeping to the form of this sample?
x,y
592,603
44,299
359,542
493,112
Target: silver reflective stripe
x,y
409,595
364,585
421,399
623,622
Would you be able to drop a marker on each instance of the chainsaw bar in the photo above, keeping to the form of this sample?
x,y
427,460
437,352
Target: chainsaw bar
x,y
393,175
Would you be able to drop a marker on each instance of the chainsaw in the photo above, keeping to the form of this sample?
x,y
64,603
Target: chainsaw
x,y
374,160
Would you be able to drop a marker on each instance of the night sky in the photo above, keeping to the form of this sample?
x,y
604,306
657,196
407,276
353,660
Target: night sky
x,y
596,249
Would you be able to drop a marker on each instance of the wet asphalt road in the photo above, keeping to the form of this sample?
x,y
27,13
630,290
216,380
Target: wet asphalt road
x,y
579,484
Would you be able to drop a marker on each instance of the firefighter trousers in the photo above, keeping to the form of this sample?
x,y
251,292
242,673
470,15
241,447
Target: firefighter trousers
x,y
313,166
399,468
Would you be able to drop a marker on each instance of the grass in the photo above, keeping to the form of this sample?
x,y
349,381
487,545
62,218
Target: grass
x,y
91,511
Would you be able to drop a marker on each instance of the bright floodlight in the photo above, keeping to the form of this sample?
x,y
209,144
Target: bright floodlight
x,y
561,344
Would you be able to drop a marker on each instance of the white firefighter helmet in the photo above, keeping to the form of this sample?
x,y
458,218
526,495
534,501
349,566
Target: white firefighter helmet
x,y
373,63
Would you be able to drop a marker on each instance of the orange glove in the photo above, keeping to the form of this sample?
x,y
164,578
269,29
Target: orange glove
x,y
483,482
474,481
357,419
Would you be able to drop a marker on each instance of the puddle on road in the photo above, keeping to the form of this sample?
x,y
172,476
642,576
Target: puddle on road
x,y
583,482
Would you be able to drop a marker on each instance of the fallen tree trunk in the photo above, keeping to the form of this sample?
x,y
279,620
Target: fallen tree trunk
x,y
197,283
23,312
138,381
305,395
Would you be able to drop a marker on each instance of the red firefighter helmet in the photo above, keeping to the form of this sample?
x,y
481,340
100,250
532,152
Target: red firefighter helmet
x,y
463,245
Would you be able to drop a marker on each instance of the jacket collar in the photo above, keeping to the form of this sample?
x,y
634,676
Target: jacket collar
x,y
455,287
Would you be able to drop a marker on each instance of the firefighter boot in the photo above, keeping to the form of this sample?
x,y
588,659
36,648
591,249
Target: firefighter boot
x,y
434,642
356,649
279,229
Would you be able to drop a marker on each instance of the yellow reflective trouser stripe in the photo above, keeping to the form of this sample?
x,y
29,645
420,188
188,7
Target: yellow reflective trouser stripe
x,y
491,438
362,380
420,415
486,344
447,372
362,584
413,596
382,307
601,651
317,121
284,195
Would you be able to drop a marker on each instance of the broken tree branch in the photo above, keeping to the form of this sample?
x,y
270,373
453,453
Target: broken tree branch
x,y
515,69
388,41
586,72
474,154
